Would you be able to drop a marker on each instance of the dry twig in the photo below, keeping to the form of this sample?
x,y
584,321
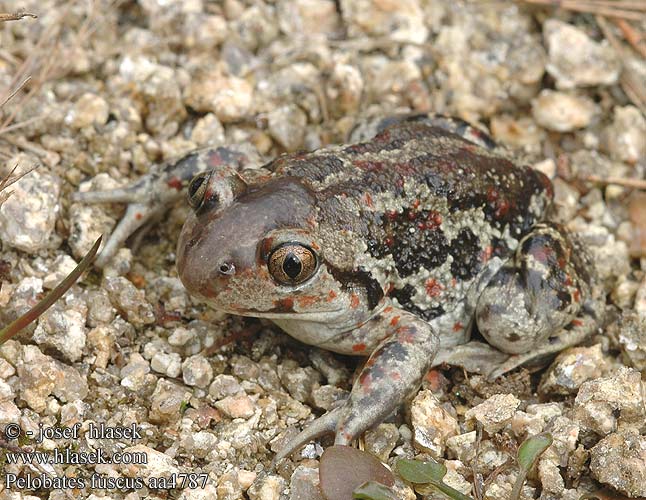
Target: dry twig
x,y
620,181
10,179
630,82
628,10
634,38
16,16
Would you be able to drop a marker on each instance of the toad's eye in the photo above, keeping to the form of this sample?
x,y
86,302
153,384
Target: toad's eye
x,y
292,263
197,189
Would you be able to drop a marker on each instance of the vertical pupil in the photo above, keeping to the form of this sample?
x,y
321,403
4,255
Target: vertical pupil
x,y
292,265
195,185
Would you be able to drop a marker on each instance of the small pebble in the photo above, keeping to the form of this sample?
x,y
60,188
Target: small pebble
x,y
304,484
625,138
167,401
573,367
229,98
575,60
129,301
495,413
240,406
432,423
169,364
605,403
619,460
90,109
28,216
197,371
562,112
133,375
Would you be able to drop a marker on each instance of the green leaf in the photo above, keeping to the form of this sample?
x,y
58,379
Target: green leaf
x,y
532,448
431,473
528,452
15,326
450,492
415,471
372,490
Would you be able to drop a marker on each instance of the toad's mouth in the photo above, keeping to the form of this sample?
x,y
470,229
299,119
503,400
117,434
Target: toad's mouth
x,y
323,316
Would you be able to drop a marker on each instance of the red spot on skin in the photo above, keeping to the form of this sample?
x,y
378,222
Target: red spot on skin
x,y
286,304
359,347
405,169
307,300
492,194
389,241
433,220
208,193
383,136
139,216
502,207
547,184
577,296
433,288
354,301
541,254
214,159
267,244
405,334
577,322
394,321
331,296
368,200
416,204
486,254
371,361
458,326
175,183
388,309
365,380
434,379
368,165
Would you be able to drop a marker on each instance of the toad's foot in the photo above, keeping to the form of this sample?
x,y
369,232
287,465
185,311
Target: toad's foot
x,y
542,301
391,375
154,193
572,334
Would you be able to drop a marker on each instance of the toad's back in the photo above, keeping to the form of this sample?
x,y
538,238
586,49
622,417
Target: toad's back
x,y
418,211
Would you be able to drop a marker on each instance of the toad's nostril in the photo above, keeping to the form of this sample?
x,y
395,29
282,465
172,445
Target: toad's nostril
x,y
227,268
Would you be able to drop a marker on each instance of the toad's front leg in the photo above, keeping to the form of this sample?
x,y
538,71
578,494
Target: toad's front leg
x,y
394,371
157,191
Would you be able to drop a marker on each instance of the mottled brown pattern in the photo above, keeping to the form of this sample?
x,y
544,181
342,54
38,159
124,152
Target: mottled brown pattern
x,y
453,175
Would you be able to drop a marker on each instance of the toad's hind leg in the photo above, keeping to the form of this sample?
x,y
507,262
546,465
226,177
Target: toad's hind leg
x,y
543,300
393,373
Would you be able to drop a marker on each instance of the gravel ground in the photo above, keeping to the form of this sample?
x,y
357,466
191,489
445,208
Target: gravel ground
x,y
117,87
